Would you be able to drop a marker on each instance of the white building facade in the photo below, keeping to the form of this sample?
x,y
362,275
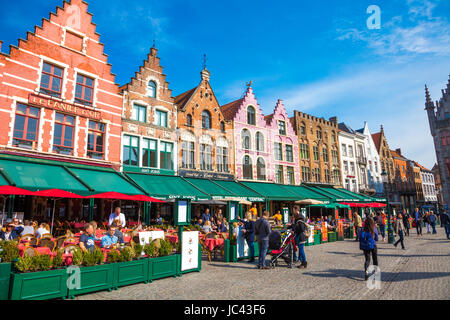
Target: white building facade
x,y
349,166
428,186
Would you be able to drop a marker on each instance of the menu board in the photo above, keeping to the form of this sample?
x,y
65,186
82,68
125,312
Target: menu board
x,y
182,211
148,236
189,250
311,236
285,215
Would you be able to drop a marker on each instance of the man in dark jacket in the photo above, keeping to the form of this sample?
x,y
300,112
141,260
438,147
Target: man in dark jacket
x,y
9,234
445,222
300,239
262,231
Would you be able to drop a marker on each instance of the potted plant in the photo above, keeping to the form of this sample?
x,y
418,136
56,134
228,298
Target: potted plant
x,y
39,277
130,268
94,275
162,262
8,255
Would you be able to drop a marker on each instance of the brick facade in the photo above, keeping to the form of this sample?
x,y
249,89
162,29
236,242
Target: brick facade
x,y
148,91
67,46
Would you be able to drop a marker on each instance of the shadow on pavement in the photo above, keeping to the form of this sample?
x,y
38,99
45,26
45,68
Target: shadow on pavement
x,y
393,276
393,255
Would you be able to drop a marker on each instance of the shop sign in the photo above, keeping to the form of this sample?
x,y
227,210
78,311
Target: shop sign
x,y
63,107
205,175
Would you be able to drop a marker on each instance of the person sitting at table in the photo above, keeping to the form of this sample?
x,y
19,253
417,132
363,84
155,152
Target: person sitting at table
x,y
199,222
27,228
87,239
219,214
94,225
117,217
221,227
110,239
207,226
206,216
118,233
18,227
159,220
43,229
9,234
225,223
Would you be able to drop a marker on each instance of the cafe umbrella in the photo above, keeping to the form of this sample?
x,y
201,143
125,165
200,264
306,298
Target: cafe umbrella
x,y
56,194
11,190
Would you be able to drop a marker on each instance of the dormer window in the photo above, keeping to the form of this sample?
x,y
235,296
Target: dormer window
x,y
281,127
251,115
151,88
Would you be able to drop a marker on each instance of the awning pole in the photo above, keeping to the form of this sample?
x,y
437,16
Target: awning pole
x,y
139,213
4,207
53,215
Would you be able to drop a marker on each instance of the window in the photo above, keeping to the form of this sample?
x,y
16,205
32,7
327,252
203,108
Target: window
x,y
279,174
96,135
344,150
333,137
350,151
290,175
51,80
165,155
26,126
139,113
303,129
205,157
260,169
278,148
84,90
63,135
316,173
289,153
245,136
247,169
251,118
130,150
206,120
316,153
189,120
222,126
327,175
304,151
222,159
352,168
345,167
259,141
319,134
336,176
149,153
187,154
325,154
334,156
306,176
281,127
161,118
151,89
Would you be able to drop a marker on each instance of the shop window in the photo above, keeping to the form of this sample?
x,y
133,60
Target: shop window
x,y
63,134
26,127
51,80
84,90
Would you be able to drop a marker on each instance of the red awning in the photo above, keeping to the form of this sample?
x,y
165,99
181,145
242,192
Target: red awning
x,y
143,197
10,190
112,195
56,193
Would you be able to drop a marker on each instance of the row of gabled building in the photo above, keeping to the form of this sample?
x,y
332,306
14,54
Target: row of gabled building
x,y
59,101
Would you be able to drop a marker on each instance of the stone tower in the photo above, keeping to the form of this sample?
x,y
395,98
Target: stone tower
x,y
439,120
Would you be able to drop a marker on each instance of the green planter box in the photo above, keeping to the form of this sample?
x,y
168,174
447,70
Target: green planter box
x,y
317,238
163,267
331,236
226,250
94,278
40,285
130,272
233,253
256,249
5,279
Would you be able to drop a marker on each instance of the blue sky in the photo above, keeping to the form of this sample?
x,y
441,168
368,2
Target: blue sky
x,y
319,57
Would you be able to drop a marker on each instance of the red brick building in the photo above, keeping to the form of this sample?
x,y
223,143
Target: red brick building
x,y
58,97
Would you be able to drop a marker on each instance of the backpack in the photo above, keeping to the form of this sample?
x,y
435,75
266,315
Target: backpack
x,y
307,232
366,241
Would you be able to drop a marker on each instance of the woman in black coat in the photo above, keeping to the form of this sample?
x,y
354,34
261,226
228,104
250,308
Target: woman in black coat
x,y
300,239
249,232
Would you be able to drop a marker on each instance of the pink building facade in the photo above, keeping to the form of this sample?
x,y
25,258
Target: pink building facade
x,y
252,156
283,142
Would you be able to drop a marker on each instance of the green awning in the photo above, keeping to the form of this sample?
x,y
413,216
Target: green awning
x,y
215,191
305,193
240,191
361,197
271,191
330,205
335,194
3,181
34,174
167,187
105,180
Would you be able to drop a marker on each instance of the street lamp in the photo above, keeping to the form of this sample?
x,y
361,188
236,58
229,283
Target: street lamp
x,y
384,176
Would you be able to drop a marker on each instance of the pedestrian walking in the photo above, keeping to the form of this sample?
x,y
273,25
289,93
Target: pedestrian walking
x,y
399,229
262,231
427,221
368,244
445,222
357,222
382,225
432,221
301,231
249,233
405,216
418,221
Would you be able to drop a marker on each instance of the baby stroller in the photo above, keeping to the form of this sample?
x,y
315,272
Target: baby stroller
x,y
282,246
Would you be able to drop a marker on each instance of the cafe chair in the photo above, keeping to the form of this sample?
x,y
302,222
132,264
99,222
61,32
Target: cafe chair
x,y
51,245
46,235
43,242
71,240
29,252
70,248
60,241
33,242
27,237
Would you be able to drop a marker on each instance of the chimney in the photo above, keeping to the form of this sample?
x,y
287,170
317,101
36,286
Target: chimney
x,y
399,151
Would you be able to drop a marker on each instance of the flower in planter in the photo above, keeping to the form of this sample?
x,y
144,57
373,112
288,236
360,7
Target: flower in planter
x,y
151,250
